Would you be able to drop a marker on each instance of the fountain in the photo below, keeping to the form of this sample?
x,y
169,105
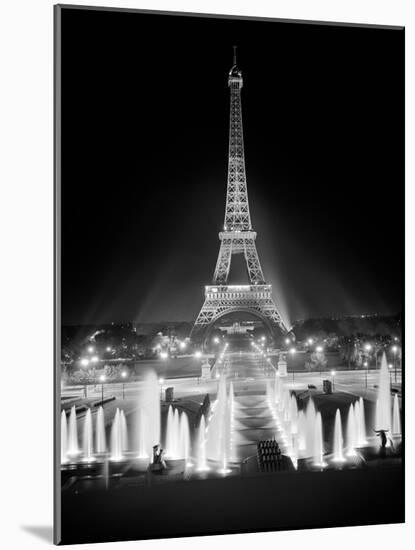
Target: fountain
x,y
124,431
176,434
318,459
169,445
73,448
294,415
301,433
116,438
383,404
88,438
396,417
232,447
310,422
338,439
225,448
351,432
64,438
184,438
360,423
149,410
219,430
100,442
201,446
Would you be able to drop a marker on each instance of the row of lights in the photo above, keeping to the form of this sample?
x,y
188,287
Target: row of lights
x,y
85,361
103,378
261,351
369,347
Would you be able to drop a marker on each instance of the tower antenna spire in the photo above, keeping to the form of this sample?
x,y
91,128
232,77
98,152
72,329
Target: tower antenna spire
x,y
234,55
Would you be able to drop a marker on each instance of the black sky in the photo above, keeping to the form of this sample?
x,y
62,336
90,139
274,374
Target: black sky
x,y
145,109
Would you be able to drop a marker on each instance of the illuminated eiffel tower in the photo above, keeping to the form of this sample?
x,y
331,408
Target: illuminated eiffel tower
x,y
237,237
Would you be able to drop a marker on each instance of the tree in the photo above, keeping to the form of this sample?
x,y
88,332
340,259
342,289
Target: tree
x,y
316,361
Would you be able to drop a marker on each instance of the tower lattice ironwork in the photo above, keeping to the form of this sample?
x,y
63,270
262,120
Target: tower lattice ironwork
x,y
237,237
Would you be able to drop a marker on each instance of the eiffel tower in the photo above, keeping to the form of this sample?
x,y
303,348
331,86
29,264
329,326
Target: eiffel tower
x,y
237,237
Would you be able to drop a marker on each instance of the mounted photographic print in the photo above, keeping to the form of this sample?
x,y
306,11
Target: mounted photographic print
x,y
229,274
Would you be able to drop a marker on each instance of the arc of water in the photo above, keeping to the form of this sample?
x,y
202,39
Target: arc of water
x,y
226,433
150,409
64,438
215,428
294,415
73,446
169,432
232,405
88,437
310,421
318,443
360,422
100,439
384,404
202,465
351,432
124,431
116,438
396,425
338,439
302,443
184,438
176,434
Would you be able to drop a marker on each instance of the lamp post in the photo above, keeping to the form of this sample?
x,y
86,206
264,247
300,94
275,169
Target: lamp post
x,y
84,363
368,349
124,376
161,380
94,361
390,374
395,351
365,365
333,372
102,380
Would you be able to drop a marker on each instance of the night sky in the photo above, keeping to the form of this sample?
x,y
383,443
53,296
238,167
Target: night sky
x,y
145,109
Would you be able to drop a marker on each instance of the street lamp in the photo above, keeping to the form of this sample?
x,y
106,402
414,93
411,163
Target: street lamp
x,y
84,362
102,379
91,349
124,376
367,348
161,380
333,372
